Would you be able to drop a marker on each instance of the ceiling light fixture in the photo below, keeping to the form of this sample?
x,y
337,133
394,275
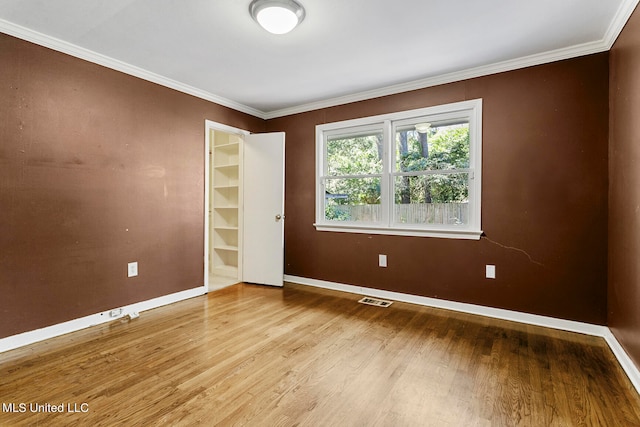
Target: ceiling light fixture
x,y
277,16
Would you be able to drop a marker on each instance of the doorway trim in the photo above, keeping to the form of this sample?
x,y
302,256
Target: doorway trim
x,y
208,127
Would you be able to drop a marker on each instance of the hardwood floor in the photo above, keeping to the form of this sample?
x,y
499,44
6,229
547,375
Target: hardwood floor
x,y
260,356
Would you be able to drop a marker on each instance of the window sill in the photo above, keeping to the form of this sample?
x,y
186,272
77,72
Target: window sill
x,y
445,233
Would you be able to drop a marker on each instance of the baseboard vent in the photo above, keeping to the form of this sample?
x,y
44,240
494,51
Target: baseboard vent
x,y
375,301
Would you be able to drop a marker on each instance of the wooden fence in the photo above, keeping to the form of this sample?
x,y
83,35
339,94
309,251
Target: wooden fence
x,y
414,213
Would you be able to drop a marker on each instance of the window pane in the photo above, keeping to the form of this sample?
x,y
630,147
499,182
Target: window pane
x,y
433,148
352,199
355,155
432,199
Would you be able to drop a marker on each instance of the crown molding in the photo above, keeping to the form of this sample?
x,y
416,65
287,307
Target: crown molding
x,y
619,21
606,43
470,73
115,64
617,24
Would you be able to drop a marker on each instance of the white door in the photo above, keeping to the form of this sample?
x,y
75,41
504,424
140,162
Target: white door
x,y
263,226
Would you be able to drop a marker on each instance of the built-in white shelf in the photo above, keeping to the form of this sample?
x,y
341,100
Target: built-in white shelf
x,y
226,248
226,155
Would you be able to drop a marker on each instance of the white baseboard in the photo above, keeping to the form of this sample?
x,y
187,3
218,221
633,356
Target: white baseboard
x,y
30,337
515,316
625,361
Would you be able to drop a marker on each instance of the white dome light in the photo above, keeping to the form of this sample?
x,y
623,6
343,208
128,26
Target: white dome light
x,y
277,20
277,16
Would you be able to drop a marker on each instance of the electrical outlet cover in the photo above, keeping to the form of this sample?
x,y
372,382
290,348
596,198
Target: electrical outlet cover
x,y
490,272
382,260
132,269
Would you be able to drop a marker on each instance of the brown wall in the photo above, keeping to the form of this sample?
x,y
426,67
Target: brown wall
x,y
97,169
544,200
624,189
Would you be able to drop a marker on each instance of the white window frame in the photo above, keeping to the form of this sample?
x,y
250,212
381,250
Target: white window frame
x,y
470,111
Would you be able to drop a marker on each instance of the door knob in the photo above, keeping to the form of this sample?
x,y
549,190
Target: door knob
x,y
279,217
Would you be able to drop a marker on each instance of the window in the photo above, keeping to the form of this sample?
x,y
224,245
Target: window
x,y
414,173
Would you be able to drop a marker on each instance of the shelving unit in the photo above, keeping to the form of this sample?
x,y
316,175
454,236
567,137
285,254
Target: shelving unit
x,y
226,199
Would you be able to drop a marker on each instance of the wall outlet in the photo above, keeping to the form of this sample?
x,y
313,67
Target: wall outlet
x,y
382,260
132,269
490,272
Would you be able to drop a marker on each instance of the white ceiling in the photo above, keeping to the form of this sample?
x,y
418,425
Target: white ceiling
x,y
344,50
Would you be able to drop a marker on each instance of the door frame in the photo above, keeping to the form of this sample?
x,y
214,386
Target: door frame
x,y
208,127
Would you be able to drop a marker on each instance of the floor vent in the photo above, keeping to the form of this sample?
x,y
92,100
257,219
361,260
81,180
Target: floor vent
x,y
376,302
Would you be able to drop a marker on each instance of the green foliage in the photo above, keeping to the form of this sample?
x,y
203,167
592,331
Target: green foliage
x,y
354,191
335,212
448,148
350,192
443,148
352,156
449,188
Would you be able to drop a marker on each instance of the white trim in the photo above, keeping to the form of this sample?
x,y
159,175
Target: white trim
x,y
470,110
456,76
370,121
225,128
632,371
210,125
30,337
445,233
625,361
619,21
207,202
617,24
497,313
606,43
115,64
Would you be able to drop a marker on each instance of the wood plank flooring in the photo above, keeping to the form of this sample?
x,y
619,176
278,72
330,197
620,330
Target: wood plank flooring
x,y
260,356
